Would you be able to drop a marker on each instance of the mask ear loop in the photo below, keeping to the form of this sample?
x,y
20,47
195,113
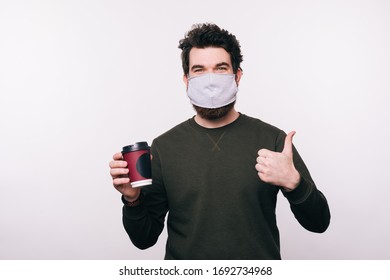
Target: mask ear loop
x,y
188,80
235,74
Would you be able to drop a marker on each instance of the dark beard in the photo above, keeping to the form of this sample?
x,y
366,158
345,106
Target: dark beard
x,y
214,114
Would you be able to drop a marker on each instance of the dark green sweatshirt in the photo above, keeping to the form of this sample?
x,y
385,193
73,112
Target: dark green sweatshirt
x,y
218,208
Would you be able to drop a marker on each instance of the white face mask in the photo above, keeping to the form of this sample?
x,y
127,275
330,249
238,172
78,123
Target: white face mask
x,y
212,90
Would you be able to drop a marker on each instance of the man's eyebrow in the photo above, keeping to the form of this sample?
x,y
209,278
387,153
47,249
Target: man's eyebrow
x,y
223,64
196,66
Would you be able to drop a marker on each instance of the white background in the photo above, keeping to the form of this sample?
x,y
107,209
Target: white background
x,y
80,79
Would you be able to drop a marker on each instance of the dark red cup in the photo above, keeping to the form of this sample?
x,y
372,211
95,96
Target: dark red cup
x,y
138,161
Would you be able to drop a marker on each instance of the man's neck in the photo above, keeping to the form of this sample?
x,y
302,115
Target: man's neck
x,y
229,118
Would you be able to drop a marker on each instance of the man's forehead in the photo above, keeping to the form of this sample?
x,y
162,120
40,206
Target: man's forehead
x,y
209,56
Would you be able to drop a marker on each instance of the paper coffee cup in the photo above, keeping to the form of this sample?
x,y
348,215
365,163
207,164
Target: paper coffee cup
x,y
138,161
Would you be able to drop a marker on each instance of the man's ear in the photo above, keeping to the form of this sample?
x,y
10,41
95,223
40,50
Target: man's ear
x,y
238,76
185,80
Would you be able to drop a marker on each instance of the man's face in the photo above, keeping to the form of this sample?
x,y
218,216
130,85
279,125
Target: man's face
x,y
211,60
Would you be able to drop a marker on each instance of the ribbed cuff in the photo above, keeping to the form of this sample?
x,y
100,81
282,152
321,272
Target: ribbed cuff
x,y
134,203
300,193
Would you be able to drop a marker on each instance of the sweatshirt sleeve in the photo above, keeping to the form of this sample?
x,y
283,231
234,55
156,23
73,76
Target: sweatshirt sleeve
x,y
145,222
307,203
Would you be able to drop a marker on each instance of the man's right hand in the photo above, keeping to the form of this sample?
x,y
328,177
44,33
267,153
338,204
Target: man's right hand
x,y
120,178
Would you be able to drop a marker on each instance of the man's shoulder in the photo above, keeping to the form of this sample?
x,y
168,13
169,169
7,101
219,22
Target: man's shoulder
x,y
258,124
179,129
262,134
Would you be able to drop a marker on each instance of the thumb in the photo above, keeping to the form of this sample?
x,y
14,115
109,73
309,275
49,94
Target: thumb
x,y
287,149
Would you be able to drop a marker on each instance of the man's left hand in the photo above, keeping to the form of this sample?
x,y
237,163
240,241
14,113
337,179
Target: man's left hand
x,y
278,168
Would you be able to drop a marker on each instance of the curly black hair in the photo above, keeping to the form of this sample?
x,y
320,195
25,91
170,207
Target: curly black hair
x,y
210,35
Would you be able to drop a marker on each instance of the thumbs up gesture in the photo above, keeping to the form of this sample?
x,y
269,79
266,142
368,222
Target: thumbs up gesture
x,y
278,168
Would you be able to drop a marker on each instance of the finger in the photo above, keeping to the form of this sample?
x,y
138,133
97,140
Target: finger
x,y
121,181
287,149
262,160
265,153
118,164
263,177
260,168
115,172
117,156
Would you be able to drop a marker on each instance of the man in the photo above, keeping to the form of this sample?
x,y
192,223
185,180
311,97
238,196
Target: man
x,y
218,173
